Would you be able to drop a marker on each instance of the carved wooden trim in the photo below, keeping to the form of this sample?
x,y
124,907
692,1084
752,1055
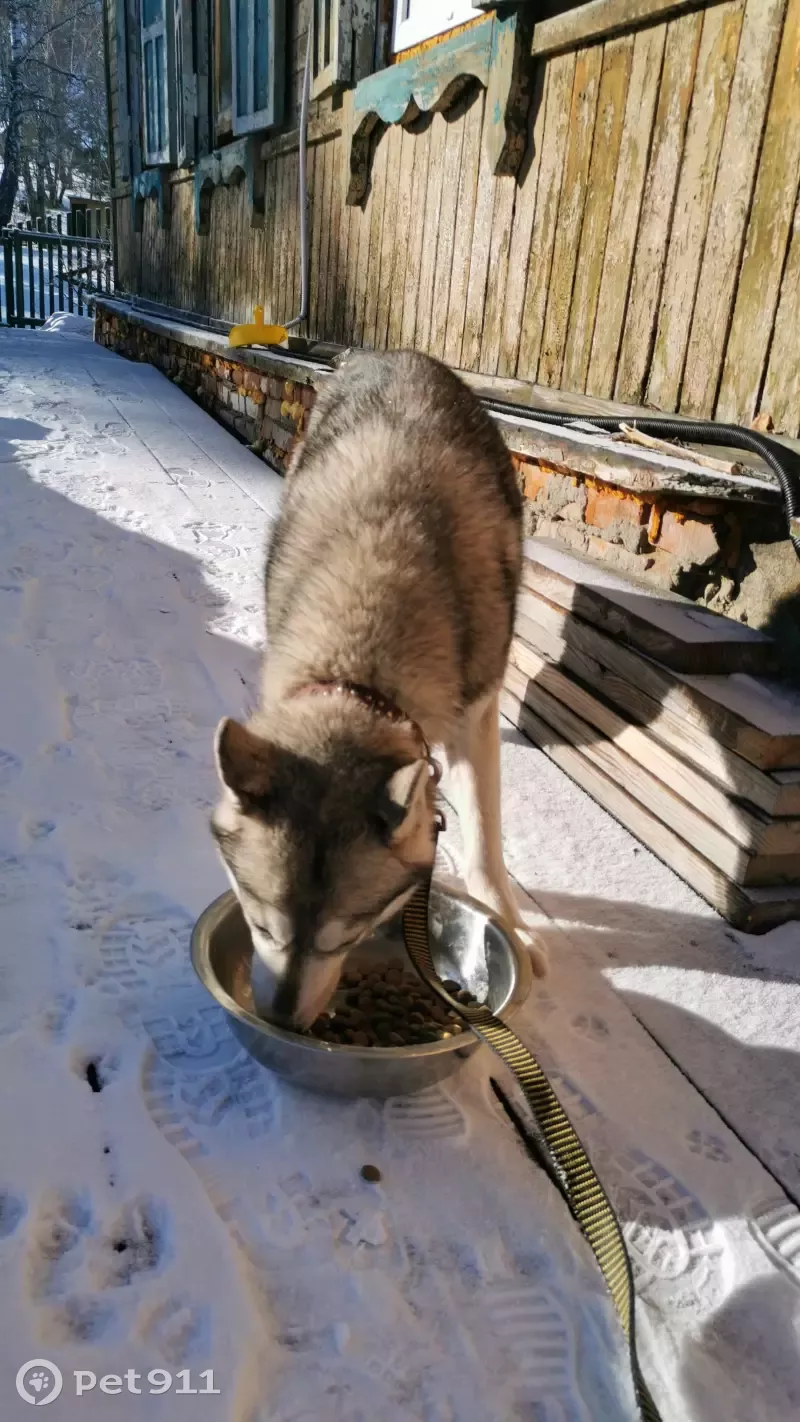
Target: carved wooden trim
x,y
509,93
235,163
496,54
150,184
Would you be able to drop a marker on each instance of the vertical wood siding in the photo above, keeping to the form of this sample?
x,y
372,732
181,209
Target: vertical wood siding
x,y
649,250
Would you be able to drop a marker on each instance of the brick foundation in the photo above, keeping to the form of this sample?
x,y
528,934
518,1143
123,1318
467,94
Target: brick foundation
x,y
267,412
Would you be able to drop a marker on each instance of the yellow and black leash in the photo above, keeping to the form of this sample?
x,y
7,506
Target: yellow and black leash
x,y
569,1165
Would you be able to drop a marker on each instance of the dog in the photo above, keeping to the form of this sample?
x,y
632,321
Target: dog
x,y
391,583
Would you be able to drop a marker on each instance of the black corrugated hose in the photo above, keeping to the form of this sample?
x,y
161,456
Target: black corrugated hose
x,y
783,461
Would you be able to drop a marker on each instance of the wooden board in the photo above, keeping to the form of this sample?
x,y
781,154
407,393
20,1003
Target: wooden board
x,y
695,828
754,909
445,237
522,229
716,62
400,226
554,143
430,231
419,187
616,672
758,719
745,824
374,216
479,258
648,52
617,57
464,230
499,248
663,625
781,395
768,234
583,110
675,92
730,205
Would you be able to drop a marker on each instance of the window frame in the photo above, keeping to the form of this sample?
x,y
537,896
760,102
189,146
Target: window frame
x,y
254,120
153,154
428,21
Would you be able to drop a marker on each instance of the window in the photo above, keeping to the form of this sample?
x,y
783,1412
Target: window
x,y
156,81
257,32
179,79
418,20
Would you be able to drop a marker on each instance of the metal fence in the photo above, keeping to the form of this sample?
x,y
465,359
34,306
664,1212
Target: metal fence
x,y
54,266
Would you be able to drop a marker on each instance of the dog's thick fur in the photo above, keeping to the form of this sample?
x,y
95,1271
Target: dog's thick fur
x,y
395,565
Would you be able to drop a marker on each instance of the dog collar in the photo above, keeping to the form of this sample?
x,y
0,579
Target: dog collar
x,y
374,701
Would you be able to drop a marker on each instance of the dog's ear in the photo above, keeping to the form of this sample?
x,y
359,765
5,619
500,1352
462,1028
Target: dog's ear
x,y
245,762
403,800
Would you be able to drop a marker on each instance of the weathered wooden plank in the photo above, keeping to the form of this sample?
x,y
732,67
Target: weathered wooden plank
x,y
372,276
574,648
583,110
293,236
402,237
243,252
278,285
747,826
648,53
362,276
522,229
730,205
451,176
479,258
768,235
758,720
422,144
433,198
602,19
781,395
499,250
316,186
753,909
716,62
669,628
464,226
358,257
388,236
617,59
675,92
345,230
334,224
551,169
678,814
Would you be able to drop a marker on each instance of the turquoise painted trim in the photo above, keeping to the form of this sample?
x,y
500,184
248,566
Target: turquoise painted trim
x,y
423,81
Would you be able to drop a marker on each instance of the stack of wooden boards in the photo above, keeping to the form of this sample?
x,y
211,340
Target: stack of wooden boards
x,y
665,714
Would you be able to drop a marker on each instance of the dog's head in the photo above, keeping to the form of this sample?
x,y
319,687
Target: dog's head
x,y
324,836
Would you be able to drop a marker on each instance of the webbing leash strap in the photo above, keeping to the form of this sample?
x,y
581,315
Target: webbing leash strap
x,y
571,1168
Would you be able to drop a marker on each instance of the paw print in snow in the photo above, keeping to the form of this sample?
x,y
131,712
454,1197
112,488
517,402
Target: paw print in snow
x,y
708,1145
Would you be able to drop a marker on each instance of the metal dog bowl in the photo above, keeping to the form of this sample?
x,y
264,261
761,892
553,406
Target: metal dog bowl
x,y
467,944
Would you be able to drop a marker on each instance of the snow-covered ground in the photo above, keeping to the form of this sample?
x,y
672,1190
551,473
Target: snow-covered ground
x,y
193,1213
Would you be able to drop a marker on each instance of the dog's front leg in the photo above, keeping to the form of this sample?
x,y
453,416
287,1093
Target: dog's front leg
x,y
473,763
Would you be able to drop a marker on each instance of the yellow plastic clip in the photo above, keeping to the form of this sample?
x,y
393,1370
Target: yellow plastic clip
x,y
257,334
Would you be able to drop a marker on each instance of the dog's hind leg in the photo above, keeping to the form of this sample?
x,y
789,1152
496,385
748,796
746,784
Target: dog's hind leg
x,y
473,763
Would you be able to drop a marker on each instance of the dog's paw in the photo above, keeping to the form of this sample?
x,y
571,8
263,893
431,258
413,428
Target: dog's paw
x,y
533,944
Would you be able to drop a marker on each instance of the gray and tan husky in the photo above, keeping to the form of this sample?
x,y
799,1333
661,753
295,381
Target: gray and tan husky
x,y
390,588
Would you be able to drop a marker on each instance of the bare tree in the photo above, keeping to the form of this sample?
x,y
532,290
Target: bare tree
x,y
52,100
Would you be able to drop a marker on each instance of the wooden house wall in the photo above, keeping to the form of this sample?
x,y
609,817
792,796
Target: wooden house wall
x,y
648,252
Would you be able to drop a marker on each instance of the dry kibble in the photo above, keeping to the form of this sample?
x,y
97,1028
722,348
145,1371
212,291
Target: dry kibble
x,y
389,1007
371,1173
